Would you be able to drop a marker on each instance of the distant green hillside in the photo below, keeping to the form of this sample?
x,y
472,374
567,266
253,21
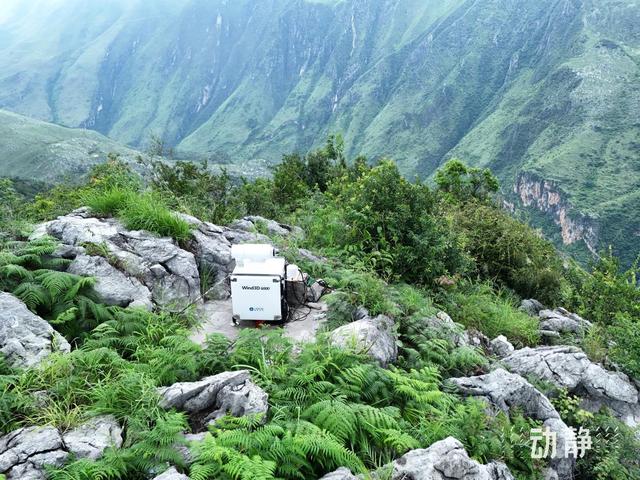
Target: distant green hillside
x,y
35,150
545,92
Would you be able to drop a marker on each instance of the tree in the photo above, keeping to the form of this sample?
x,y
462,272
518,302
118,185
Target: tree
x,y
158,147
394,219
290,181
464,183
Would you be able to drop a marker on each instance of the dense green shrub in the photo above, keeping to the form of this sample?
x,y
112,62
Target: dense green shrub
x,y
462,183
510,252
606,291
625,344
196,189
611,299
388,223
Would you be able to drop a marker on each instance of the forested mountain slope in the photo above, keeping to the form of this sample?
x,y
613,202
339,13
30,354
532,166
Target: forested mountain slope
x,y
545,93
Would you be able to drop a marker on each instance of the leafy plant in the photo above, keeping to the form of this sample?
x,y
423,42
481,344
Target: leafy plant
x,y
29,272
509,252
463,183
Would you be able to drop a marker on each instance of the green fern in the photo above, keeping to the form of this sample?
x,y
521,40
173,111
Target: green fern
x,y
34,295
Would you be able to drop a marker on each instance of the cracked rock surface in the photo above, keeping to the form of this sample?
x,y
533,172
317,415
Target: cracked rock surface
x,y
25,338
531,306
570,368
501,346
446,460
562,321
24,453
137,267
505,390
213,397
90,439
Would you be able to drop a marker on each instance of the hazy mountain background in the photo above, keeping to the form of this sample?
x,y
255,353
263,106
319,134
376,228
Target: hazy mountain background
x,y
545,92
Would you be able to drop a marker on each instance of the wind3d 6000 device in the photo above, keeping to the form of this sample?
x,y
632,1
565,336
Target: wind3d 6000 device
x,y
258,284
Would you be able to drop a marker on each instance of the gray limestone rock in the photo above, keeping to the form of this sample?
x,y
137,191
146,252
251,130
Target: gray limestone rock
x,y
374,336
25,338
92,438
569,367
446,460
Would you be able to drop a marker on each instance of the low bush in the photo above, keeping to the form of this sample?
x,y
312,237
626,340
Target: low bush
x,y
508,251
606,290
624,336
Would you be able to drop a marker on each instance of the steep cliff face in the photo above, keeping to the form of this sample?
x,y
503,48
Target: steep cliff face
x,y
546,197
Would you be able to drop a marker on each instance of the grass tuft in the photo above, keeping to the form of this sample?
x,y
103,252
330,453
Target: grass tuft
x,y
139,211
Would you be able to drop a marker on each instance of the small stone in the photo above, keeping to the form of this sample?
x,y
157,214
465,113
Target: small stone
x,y
501,347
171,474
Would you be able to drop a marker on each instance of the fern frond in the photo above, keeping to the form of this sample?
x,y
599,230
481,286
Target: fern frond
x,y
15,271
33,295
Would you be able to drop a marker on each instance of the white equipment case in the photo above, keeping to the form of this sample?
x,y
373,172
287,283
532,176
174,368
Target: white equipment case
x,y
257,284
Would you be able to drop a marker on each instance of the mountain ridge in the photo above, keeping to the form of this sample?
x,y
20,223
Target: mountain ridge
x,y
545,88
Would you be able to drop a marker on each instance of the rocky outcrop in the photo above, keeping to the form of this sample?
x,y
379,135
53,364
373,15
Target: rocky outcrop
x,y
501,347
112,286
26,452
140,261
531,306
445,460
92,438
171,474
554,323
547,197
562,321
570,368
255,223
372,336
212,249
137,268
442,326
504,391
25,338
211,245
213,397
